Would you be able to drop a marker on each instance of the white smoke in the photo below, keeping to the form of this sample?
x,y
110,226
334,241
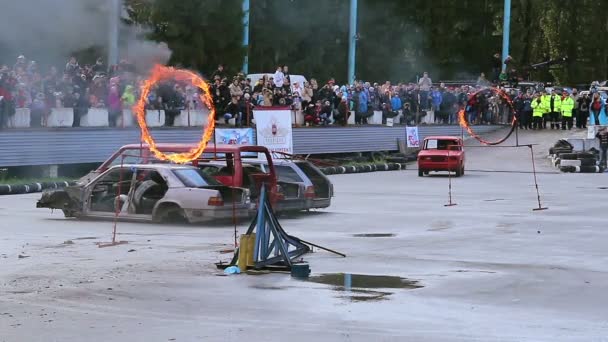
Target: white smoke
x,y
48,31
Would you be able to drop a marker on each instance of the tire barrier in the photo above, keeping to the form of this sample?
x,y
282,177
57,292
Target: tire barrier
x,y
18,189
568,156
588,161
566,162
334,170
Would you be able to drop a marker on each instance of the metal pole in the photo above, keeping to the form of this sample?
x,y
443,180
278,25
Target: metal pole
x,y
352,41
246,36
114,15
506,28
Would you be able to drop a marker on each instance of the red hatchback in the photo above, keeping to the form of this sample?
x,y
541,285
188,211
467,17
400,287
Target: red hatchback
x,y
441,153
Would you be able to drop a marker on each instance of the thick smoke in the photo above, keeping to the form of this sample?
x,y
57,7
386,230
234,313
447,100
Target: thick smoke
x,y
48,31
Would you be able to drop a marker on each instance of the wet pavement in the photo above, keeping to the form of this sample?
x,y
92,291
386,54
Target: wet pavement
x,y
488,269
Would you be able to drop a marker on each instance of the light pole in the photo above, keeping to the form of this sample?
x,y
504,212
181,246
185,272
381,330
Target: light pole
x,y
246,36
114,15
506,27
352,41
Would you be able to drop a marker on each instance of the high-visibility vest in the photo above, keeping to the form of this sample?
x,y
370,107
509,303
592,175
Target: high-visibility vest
x,y
545,103
537,108
557,103
567,106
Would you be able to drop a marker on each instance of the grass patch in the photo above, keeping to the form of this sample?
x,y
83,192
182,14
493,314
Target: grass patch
x,y
17,181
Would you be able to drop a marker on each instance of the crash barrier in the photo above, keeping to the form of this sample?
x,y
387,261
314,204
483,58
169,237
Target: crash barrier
x,y
565,158
17,189
338,170
99,117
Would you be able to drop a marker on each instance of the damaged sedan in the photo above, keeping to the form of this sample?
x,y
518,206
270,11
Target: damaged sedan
x,y
151,192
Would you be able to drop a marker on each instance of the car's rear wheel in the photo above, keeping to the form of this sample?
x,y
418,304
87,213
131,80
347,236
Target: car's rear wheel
x,y
170,214
420,172
462,171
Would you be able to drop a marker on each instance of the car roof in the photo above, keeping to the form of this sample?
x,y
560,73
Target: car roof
x,y
442,137
220,148
154,166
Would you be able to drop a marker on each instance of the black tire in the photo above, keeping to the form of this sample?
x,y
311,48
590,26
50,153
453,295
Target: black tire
x,y
558,150
459,172
462,170
420,173
590,169
582,155
588,162
568,169
170,214
568,156
563,143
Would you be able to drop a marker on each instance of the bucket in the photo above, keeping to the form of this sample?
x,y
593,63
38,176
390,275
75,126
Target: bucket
x,y
300,270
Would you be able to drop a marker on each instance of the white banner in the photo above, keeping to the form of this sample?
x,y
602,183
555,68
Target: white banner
x,y
411,136
273,127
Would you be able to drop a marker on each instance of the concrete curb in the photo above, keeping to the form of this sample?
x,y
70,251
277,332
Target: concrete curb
x,y
18,189
338,170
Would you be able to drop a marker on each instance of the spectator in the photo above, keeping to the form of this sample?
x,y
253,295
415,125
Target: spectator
x,y
436,99
584,102
99,68
425,84
596,107
311,117
361,107
219,72
233,110
602,136
235,88
128,97
342,113
38,110
114,104
326,111
81,107
278,77
482,81
72,66
257,88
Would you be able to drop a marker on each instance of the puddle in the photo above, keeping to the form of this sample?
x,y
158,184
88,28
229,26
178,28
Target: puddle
x,y
494,200
374,235
603,187
86,238
268,287
363,288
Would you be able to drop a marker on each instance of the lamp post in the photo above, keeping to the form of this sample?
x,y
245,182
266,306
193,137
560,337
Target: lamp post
x,y
114,15
506,27
246,36
352,41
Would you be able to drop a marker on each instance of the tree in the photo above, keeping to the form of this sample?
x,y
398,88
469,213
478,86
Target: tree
x,y
200,33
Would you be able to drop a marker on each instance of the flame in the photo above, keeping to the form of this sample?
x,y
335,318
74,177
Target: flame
x,y
464,122
160,73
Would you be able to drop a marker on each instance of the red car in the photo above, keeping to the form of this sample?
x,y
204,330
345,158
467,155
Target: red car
x,y
441,153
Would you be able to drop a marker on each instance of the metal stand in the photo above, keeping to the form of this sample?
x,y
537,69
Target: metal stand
x,y
273,247
450,203
116,212
540,207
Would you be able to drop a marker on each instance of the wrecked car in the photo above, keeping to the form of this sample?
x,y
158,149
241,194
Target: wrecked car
x,y
151,192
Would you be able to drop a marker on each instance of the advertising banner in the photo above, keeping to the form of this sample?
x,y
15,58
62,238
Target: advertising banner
x,y
412,136
234,136
274,129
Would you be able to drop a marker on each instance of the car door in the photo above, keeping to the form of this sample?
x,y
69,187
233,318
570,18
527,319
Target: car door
x,y
101,194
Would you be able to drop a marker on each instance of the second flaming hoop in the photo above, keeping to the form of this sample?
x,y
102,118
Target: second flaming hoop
x,y
464,122
162,73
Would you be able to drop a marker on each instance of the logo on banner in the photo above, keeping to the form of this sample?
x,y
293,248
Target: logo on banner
x,y
242,136
412,136
274,134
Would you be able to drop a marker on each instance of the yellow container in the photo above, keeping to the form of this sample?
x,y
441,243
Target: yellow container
x,y
250,249
243,247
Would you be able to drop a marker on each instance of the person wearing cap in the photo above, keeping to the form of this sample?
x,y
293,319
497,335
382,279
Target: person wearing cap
x,y
278,78
567,108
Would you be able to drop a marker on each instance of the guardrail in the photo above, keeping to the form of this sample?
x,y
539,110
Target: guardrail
x,y
99,117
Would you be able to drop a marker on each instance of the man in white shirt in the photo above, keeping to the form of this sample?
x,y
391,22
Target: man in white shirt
x,y
279,77
425,84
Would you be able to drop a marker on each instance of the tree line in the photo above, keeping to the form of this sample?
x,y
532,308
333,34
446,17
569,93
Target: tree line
x,y
397,40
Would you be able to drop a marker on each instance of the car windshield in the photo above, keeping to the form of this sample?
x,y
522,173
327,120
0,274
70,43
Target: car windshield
x,y
435,144
134,156
195,178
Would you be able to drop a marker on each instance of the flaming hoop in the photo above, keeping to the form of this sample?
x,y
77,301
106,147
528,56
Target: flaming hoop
x,y
464,122
161,73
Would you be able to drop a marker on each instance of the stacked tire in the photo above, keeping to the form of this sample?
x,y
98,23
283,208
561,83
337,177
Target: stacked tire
x,y
579,162
338,170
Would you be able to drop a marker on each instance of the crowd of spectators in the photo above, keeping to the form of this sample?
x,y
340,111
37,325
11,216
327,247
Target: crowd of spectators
x,y
116,88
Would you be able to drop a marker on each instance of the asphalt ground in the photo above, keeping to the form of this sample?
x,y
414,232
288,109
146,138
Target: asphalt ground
x,y
487,269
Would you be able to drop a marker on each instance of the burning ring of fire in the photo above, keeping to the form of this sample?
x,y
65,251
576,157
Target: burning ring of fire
x,y
464,121
160,73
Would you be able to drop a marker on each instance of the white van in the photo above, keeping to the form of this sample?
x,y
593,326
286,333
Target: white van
x,y
294,78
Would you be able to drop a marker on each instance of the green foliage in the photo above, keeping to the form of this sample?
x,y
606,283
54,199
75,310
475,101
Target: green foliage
x,y
200,33
452,39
